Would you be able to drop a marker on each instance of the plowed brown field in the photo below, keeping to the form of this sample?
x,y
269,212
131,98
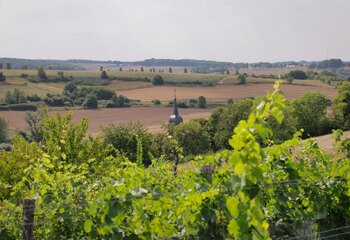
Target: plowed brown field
x,y
223,92
151,117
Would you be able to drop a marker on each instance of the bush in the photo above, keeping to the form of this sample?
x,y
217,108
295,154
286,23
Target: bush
x,y
117,102
157,80
24,75
125,139
2,77
156,102
90,102
104,93
33,98
289,79
53,100
202,102
22,107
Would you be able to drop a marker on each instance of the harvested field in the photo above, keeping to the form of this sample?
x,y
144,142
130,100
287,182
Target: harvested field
x,y
326,141
151,117
223,92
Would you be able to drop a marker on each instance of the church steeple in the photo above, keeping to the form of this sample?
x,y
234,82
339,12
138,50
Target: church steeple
x,y
175,119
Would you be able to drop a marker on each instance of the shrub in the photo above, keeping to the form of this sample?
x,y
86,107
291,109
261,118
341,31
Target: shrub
x,y
33,98
22,107
120,101
104,75
156,102
125,139
289,79
202,102
24,75
2,77
90,102
53,100
157,80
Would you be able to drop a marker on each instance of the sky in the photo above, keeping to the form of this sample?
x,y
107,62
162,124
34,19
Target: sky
x,y
129,30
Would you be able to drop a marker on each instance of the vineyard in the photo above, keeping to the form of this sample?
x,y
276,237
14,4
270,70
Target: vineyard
x,y
256,190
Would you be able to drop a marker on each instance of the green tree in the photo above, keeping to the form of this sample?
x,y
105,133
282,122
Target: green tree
x,y
25,67
101,68
185,70
104,75
228,72
42,74
2,77
341,105
8,66
142,69
202,102
298,74
242,79
1,65
125,138
192,137
170,70
223,120
120,69
15,97
157,80
3,130
310,112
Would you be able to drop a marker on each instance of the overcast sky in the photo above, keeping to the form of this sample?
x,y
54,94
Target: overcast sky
x,y
228,30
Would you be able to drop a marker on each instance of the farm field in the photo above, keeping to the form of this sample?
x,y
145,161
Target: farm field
x,y
151,117
223,92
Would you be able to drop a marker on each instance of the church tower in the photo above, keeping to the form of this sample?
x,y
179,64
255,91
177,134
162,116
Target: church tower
x,y
175,118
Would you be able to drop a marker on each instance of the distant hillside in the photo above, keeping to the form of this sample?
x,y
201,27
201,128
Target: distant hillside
x,y
198,66
17,63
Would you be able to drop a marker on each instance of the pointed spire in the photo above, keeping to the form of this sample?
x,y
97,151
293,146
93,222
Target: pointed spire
x,y
175,118
175,111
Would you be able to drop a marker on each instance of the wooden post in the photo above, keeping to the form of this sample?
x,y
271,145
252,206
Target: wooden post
x,y
28,218
207,171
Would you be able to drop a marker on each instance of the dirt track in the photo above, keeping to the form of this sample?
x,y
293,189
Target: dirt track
x,y
151,117
223,92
